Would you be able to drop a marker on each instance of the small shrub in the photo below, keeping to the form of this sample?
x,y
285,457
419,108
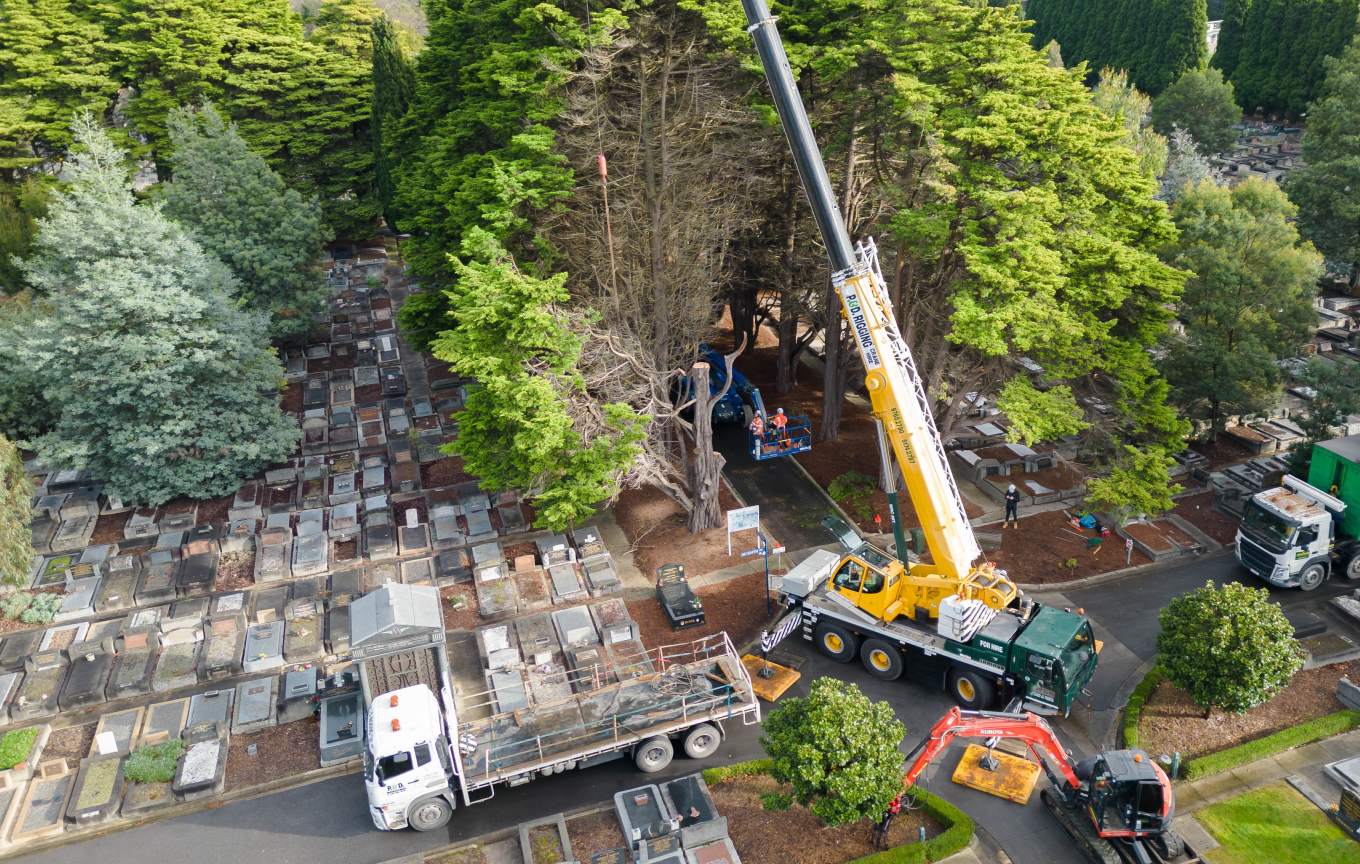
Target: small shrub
x,y
42,610
754,768
14,605
14,746
155,763
854,490
1134,709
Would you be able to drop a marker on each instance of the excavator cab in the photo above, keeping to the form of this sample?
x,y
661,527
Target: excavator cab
x,y
1130,795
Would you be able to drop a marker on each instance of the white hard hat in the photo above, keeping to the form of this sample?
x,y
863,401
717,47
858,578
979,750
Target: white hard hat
x,y
779,410
1012,489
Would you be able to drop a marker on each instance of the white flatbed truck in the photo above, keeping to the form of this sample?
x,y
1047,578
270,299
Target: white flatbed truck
x,y
427,749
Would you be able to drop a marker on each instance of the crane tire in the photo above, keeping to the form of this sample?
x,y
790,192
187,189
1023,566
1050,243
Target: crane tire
x,y
971,690
836,642
881,659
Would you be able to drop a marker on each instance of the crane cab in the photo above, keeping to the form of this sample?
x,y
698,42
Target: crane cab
x,y
886,588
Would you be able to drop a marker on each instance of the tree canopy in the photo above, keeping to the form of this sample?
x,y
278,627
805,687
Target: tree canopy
x,y
1155,41
238,209
161,384
1201,104
1248,302
1327,190
1276,61
1228,647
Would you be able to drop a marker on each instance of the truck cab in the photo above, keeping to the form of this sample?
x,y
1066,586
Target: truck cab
x,y
1289,536
406,761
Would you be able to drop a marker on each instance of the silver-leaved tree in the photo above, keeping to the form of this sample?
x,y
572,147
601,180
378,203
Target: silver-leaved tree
x,y
162,385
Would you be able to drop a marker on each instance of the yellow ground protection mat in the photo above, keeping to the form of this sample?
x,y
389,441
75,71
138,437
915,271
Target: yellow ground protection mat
x,y
1013,779
769,689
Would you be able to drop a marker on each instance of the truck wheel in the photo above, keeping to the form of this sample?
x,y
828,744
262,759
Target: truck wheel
x,y
881,659
430,814
971,690
1353,567
1168,845
702,741
1312,576
836,642
654,754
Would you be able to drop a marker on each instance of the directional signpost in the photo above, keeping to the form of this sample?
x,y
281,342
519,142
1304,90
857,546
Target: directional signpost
x,y
743,519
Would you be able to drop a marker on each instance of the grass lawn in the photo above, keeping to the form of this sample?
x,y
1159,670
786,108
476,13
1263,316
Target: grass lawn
x,y
1275,824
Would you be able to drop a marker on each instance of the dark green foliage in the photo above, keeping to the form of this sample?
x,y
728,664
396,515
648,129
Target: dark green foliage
x,y
1230,34
1327,191
21,206
394,83
476,159
1281,62
1201,104
15,745
1155,41
1304,733
239,210
155,763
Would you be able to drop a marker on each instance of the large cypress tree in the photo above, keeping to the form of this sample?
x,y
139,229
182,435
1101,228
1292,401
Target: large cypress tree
x,y
1230,36
1280,63
1155,41
394,83
240,210
163,385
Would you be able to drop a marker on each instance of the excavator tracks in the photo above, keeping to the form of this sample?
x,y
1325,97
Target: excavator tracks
x,y
1096,849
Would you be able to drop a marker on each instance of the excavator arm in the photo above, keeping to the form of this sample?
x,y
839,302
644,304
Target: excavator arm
x,y
1030,728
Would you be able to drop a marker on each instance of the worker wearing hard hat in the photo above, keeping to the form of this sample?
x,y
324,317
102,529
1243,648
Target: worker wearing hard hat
x,y
780,423
1012,505
758,432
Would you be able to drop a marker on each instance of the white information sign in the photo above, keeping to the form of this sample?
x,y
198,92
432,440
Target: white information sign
x,y
742,519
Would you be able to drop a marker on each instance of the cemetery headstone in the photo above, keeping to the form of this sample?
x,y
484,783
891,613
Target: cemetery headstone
x,y
98,791
121,729
177,666
255,705
134,664
45,806
85,683
341,732
264,647
223,646
164,720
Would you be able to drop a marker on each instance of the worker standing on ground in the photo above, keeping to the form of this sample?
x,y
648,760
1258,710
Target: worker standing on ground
x,y
1012,505
758,432
780,422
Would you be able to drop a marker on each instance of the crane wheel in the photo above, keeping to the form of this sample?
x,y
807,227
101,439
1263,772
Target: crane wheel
x,y
881,659
836,642
971,690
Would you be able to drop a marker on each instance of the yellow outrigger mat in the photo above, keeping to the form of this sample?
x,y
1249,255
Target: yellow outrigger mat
x,y
769,689
1013,779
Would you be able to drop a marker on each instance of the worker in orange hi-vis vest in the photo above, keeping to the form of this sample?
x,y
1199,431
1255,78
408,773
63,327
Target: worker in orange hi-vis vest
x,y
758,431
780,423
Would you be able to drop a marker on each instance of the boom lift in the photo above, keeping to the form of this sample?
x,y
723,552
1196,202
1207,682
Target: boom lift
x,y
900,403
1114,805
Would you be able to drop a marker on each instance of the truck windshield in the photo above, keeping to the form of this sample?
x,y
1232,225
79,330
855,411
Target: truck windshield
x,y
1079,654
394,766
1267,527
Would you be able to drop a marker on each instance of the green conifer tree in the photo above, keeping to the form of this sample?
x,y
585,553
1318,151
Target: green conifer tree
x,y
394,84
238,209
1230,36
164,387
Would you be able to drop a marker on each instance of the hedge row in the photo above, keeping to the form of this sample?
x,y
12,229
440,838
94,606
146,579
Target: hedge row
x,y
1135,706
958,826
1323,727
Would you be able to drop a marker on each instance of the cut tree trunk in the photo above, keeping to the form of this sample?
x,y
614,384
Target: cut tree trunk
x,y
705,468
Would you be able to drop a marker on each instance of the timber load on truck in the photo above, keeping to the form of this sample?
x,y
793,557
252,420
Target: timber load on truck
x,y
432,742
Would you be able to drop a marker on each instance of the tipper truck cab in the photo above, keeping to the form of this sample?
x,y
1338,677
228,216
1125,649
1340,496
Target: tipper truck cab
x,y
431,744
1297,535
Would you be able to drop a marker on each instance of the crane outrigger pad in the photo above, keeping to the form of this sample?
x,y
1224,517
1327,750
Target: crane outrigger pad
x,y
773,687
1013,778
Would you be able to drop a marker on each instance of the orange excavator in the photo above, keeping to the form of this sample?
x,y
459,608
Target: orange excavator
x,y
1116,806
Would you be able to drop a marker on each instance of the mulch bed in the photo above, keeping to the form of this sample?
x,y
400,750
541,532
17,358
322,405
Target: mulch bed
x,y
1148,535
109,528
283,751
765,836
1171,722
72,744
463,619
1222,453
292,398
655,526
236,570
367,393
1198,511
594,833
214,510
444,472
737,606
1037,552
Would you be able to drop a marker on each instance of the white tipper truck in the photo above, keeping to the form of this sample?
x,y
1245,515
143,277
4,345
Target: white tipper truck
x,y
421,760
1295,536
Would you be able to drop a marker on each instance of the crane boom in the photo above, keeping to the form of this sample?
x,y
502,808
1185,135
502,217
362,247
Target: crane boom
x,y
898,397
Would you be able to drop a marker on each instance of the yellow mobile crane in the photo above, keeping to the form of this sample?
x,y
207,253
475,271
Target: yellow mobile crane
x,y
869,577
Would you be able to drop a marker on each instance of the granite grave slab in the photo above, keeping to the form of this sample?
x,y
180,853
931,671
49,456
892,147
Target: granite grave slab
x,y
176,668
98,791
255,705
37,696
124,726
224,641
341,732
264,647
134,664
45,804
164,720
88,676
